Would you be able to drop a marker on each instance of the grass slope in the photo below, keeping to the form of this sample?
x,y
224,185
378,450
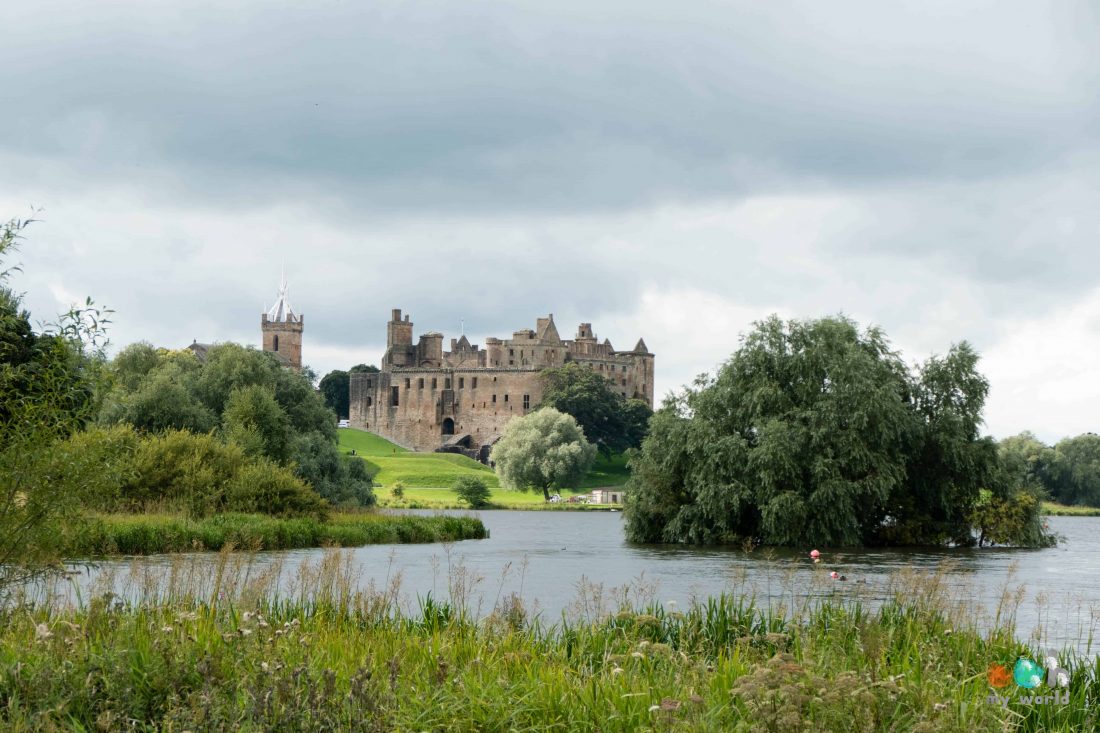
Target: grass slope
x,y
428,476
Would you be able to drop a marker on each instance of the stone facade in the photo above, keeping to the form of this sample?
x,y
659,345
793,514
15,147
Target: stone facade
x,y
282,328
427,399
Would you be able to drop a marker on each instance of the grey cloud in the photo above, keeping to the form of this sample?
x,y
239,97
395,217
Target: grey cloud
x,y
494,106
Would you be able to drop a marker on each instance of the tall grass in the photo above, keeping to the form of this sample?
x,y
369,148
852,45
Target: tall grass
x,y
331,656
145,534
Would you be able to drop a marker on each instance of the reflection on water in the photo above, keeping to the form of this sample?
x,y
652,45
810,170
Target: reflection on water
x,y
578,562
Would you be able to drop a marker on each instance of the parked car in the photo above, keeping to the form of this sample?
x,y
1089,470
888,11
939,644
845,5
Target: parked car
x,y
555,498
343,424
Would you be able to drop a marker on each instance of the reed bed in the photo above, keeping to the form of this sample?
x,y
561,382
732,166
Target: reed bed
x,y
237,649
147,534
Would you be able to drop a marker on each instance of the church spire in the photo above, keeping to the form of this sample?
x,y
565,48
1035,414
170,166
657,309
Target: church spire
x,y
281,311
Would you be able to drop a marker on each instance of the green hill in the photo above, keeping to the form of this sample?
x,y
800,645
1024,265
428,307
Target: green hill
x,y
393,463
439,470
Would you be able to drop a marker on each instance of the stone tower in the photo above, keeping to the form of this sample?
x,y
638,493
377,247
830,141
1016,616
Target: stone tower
x,y
282,330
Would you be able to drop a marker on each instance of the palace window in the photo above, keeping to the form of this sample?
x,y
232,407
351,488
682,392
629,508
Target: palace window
x,y
393,396
420,383
408,382
494,399
526,402
505,397
624,382
275,343
446,383
473,382
369,402
462,382
433,382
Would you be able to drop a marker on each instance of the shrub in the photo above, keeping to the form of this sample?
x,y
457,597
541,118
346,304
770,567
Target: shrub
x,y
472,490
398,490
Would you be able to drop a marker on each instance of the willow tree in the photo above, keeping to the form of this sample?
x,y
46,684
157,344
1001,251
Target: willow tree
x,y
815,432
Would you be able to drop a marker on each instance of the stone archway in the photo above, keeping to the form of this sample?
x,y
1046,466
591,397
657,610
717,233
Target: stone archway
x,y
448,426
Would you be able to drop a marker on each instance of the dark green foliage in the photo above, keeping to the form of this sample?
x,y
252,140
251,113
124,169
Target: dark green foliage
x,y
255,421
1074,477
1068,472
816,433
610,422
181,471
472,490
335,392
249,400
48,389
342,480
364,368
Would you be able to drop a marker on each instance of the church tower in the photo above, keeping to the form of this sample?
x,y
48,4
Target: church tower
x,y
282,330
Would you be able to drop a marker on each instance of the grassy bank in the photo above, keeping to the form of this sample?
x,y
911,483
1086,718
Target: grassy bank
x,y
498,499
1062,510
145,534
349,663
427,477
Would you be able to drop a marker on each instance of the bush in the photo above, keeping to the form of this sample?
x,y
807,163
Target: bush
x,y
398,490
472,490
342,480
178,470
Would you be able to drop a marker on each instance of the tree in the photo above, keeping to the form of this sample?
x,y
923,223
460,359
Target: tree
x,y
48,386
334,391
364,368
815,432
542,449
472,490
609,421
254,420
1075,473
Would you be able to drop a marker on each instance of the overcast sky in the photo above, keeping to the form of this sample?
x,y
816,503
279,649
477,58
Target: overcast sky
x,y
667,170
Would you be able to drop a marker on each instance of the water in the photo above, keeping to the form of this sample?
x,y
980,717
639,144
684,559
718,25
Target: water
x,y
570,562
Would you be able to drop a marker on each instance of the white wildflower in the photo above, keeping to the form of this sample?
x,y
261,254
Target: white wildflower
x,y
42,632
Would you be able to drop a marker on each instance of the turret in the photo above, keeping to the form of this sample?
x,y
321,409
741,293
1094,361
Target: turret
x,y
281,329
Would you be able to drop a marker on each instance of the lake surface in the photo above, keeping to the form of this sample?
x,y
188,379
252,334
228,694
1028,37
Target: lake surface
x,y
579,563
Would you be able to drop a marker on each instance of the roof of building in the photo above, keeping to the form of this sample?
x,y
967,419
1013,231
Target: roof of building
x,y
281,311
200,350
640,347
549,332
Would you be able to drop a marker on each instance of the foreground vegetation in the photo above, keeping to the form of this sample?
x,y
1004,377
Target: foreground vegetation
x,y
145,534
337,659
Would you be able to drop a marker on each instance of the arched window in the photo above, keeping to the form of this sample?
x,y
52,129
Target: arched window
x,y
275,343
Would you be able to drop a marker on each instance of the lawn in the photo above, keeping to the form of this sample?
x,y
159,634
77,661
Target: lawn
x,y
427,477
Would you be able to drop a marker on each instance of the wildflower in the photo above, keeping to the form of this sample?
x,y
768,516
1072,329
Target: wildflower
x,y
262,624
166,630
227,637
670,704
264,667
616,670
671,603
42,632
248,616
638,655
643,644
246,632
697,699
